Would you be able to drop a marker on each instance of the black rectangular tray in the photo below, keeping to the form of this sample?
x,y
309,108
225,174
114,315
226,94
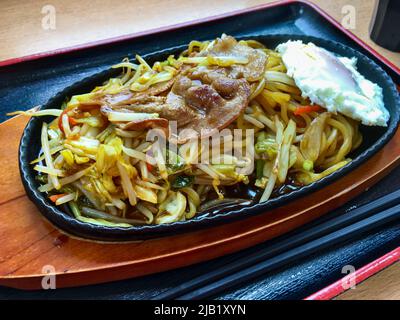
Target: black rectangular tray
x,y
29,81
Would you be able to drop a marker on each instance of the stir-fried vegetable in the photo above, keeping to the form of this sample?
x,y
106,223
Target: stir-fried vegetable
x,y
97,159
267,146
38,113
172,209
307,177
310,144
259,168
182,181
210,60
307,109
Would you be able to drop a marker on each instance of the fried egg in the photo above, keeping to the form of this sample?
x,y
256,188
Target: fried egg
x,y
333,82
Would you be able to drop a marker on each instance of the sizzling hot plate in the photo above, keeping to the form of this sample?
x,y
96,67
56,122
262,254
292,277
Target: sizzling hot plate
x,y
374,139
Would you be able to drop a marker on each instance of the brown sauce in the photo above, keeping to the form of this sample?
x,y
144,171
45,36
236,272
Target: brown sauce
x,y
250,194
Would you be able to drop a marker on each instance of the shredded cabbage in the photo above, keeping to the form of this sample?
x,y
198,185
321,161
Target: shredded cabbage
x,y
211,60
130,116
39,113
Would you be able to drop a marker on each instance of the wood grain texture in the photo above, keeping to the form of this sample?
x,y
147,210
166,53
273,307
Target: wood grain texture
x,y
383,286
80,22
35,243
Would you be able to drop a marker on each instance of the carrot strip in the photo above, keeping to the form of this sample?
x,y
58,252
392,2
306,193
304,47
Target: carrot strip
x,y
71,120
307,109
149,166
55,197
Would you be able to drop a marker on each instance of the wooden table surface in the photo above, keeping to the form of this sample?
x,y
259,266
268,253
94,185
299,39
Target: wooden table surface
x,y
82,21
384,285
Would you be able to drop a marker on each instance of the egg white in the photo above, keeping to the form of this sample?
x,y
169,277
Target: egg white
x,y
334,82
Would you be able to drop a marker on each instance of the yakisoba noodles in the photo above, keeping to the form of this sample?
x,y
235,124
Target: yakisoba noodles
x,y
95,152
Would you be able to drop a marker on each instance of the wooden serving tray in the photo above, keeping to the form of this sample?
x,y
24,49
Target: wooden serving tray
x,y
29,243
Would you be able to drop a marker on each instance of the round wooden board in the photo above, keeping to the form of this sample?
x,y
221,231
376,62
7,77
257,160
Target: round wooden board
x,y
30,244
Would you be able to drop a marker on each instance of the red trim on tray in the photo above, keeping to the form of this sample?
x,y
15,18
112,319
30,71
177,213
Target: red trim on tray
x,y
196,22
360,275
